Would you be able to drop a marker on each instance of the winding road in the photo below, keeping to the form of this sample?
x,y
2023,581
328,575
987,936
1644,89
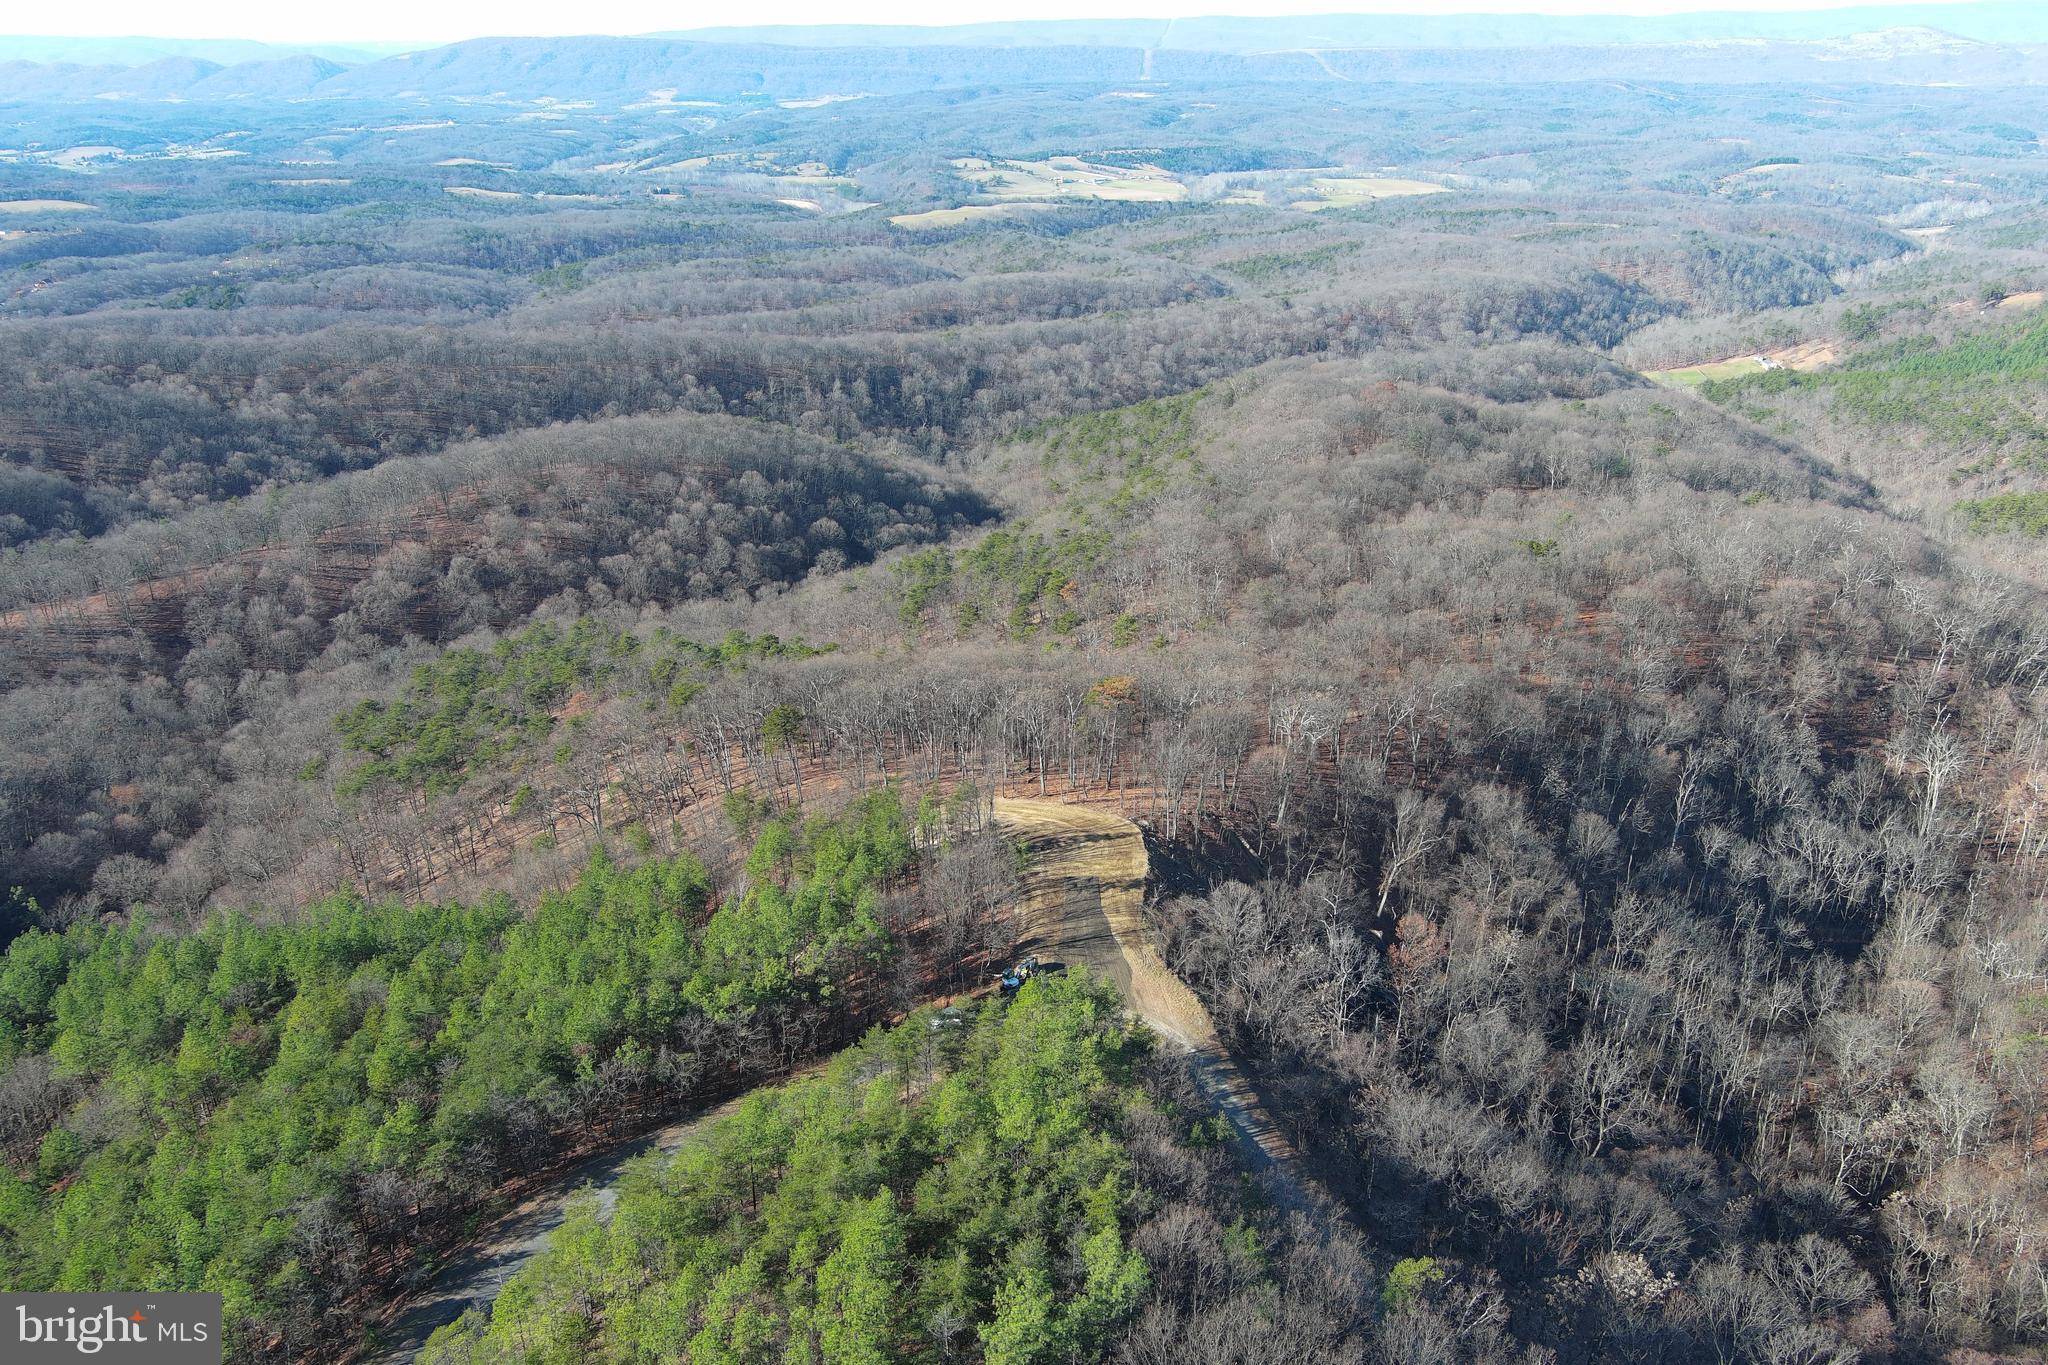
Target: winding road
x,y
1081,904
473,1277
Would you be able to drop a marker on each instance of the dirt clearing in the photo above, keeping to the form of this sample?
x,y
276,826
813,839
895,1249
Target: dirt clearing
x,y
1807,355
1082,904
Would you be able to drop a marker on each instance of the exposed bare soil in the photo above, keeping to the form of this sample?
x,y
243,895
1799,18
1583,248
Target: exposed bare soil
x,y
1083,904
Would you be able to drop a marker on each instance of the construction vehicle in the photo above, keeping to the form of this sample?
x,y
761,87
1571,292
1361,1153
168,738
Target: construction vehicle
x,y
1015,978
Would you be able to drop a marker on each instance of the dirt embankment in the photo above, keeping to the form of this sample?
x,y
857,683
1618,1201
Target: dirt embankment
x,y
1082,904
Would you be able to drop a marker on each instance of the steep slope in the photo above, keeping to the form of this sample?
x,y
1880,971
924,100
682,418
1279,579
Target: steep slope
x,y
1082,905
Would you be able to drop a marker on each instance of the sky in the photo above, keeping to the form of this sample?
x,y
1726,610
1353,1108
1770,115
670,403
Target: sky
x,y
438,21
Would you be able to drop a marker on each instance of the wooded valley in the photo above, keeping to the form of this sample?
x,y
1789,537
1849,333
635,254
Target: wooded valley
x,y
513,610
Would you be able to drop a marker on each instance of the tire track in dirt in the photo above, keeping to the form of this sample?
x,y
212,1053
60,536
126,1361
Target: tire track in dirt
x,y
1082,904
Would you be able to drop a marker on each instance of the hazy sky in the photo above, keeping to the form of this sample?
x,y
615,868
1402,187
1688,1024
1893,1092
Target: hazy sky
x,y
446,20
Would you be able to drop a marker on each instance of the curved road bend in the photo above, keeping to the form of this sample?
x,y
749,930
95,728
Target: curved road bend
x,y
473,1277
1082,903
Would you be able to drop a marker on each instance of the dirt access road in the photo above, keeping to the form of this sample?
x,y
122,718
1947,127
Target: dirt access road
x,y
473,1277
1083,904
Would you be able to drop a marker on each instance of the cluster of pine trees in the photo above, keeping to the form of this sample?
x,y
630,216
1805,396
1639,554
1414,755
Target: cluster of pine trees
x,y
291,1111
959,1186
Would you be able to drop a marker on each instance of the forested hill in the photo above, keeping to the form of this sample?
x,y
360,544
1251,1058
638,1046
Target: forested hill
x,y
514,601
667,507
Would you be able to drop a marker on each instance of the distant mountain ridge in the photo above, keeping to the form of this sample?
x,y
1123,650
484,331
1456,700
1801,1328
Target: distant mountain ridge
x,y
223,51
626,70
170,78
1984,21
